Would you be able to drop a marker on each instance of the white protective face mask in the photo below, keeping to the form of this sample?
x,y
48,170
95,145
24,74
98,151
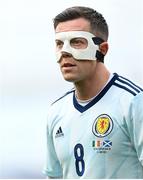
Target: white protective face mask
x,y
90,52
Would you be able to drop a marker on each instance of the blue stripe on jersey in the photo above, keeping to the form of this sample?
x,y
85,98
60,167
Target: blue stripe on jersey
x,y
127,85
96,99
125,88
131,83
64,96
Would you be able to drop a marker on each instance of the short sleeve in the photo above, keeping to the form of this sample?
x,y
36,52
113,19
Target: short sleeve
x,y
135,124
52,167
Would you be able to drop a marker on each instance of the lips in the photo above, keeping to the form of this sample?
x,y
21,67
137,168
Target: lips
x,y
68,65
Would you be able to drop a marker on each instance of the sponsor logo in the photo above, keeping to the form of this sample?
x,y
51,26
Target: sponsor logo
x,y
102,146
102,125
59,132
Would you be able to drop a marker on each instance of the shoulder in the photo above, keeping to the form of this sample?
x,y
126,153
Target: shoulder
x,y
63,97
61,101
127,86
125,92
137,101
58,108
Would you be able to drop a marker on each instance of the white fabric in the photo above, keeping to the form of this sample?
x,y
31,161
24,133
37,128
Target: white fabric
x,y
101,140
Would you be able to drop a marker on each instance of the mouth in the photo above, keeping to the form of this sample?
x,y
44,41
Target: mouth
x,y
67,65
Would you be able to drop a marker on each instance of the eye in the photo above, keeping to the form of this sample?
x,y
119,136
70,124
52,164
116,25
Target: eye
x,y
59,44
79,43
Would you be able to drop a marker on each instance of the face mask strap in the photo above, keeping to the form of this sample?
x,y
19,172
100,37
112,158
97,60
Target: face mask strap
x,y
99,55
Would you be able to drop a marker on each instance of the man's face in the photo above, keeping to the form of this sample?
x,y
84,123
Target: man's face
x,y
72,69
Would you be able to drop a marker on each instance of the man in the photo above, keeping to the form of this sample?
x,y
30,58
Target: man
x,y
96,129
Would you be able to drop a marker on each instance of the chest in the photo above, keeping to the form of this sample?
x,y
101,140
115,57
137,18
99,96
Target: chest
x,y
96,131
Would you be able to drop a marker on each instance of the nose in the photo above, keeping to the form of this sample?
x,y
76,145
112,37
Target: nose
x,y
66,51
65,54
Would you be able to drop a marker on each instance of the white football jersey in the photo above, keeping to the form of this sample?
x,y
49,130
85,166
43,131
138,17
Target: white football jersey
x,y
103,139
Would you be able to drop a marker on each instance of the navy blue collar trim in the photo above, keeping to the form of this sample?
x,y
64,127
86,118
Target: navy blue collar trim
x,y
96,99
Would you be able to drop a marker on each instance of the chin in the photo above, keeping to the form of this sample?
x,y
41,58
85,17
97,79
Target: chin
x,y
70,79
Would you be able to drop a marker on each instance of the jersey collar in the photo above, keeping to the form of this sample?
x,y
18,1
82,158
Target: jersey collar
x,y
81,108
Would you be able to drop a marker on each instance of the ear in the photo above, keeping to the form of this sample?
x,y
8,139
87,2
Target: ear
x,y
103,47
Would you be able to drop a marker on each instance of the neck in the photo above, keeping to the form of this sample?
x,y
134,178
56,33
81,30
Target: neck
x,y
91,86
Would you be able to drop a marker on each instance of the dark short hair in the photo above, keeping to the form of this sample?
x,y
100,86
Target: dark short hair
x,y
97,22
